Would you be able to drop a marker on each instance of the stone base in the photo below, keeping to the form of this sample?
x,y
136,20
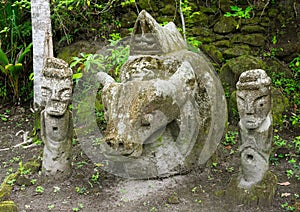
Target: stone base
x,y
8,206
260,194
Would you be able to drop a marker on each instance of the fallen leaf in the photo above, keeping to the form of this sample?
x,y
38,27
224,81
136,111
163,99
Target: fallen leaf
x,y
284,184
285,194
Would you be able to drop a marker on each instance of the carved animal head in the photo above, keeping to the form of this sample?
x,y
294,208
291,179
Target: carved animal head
x,y
138,112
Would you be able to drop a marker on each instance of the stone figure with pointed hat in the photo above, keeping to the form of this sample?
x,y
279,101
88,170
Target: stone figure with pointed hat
x,y
167,113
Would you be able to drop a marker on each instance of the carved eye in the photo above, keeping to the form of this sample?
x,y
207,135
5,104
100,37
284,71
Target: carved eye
x,y
66,93
45,91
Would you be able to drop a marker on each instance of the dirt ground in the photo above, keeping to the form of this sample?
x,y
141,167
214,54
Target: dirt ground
x,y
91,189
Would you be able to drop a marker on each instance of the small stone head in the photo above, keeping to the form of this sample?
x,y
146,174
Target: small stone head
x,y
253,98
56,86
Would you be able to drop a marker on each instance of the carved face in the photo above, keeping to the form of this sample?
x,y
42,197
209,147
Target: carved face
x,y
253,106
56,94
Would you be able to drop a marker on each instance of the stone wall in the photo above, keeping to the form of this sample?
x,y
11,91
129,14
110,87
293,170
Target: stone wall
x,y
268,39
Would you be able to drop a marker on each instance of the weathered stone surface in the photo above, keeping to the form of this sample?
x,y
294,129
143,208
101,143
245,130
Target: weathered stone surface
x,y
250,39
153,38
225,25
222,43
237,50
230,71
8,206
254,185
56,119
167,113
261,194
211,50
253,29
254,107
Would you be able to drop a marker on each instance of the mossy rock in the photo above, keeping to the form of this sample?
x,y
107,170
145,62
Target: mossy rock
x,y
237,50
230,71
222,43
212,51
265,21
198,19
253,29
250,39
8,206
11,177
261,194
225,5
225,25
5,191
34,166
280,104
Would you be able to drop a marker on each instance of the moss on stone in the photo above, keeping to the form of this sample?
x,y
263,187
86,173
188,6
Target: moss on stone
x,y
251,39
5,191
230,71
280,104
8,206
236,51
253,29
198,19
261,194
222,43
225,25
34,166
213,52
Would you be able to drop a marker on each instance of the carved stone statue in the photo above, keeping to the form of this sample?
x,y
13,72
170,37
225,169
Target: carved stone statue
x,y
167,113
255,184
56,118
254,106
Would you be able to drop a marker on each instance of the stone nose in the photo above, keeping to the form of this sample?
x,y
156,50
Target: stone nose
x,y
54,95
249,107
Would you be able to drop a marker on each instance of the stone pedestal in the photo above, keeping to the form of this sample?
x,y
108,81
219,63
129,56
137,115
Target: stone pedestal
x,y
260,194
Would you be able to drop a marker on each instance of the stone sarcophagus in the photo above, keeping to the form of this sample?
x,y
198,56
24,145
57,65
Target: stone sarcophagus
x,y
165,116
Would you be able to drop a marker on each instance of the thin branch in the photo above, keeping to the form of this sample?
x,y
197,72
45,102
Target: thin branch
x,y
182,20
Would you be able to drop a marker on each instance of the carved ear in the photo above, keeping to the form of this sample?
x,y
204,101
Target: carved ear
x,y
105,79
184,76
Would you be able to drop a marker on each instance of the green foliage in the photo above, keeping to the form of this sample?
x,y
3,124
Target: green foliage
x,y
291,88
13,71
15,39
22,170
230,138
39,189
110,62
239,12
71,18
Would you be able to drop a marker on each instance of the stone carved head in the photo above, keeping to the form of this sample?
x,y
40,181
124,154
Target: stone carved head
x,y
253,98
56,86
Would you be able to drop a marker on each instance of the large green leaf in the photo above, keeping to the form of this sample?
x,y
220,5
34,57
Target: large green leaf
x,y
3,58
22,55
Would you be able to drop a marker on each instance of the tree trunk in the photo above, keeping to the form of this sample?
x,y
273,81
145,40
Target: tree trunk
x,y
42,43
